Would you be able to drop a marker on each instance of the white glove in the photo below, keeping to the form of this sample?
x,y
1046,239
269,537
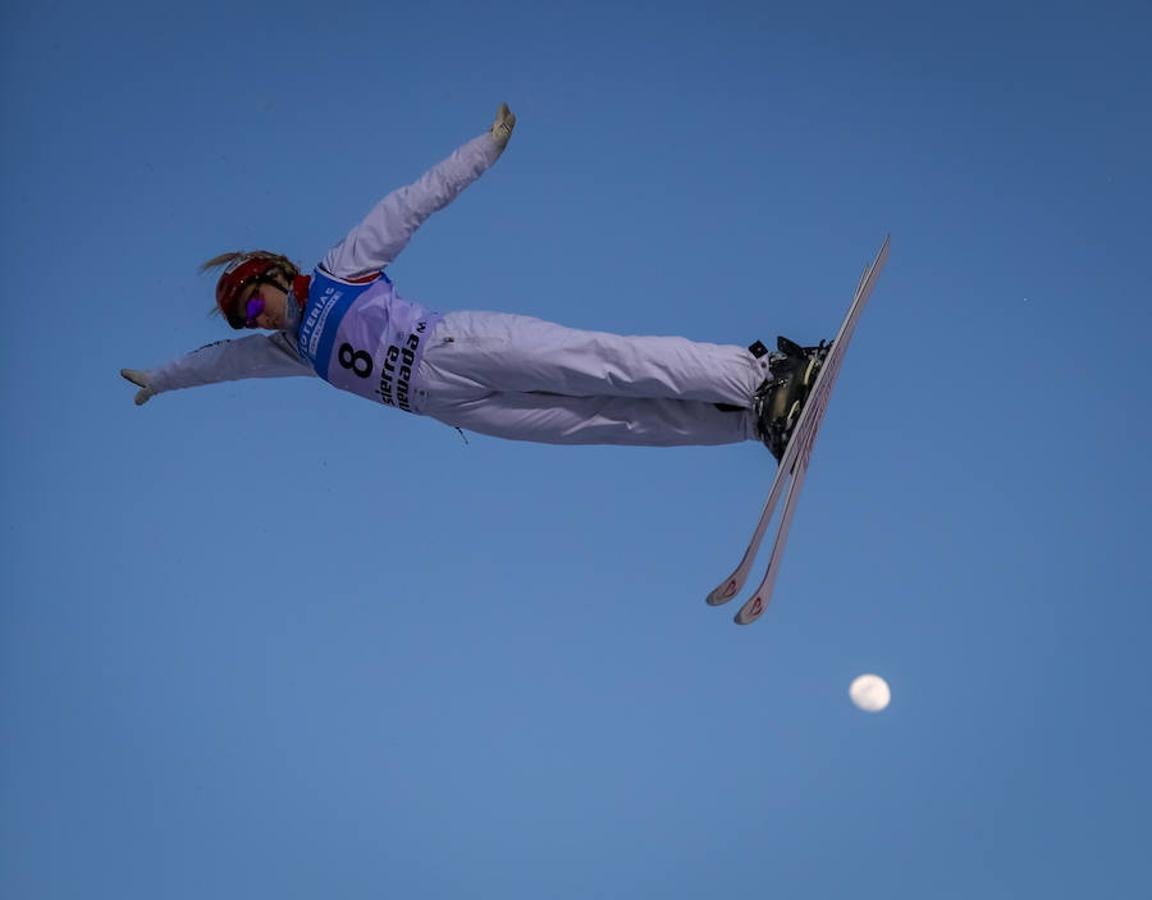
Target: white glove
x,y
140,379
501,129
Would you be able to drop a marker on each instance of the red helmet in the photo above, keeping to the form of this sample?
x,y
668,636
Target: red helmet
x,y
251,268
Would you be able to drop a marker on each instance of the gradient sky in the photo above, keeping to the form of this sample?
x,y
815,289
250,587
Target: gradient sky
x,y
221,676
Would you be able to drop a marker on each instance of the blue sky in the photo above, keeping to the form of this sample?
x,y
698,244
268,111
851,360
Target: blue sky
x,y
221,676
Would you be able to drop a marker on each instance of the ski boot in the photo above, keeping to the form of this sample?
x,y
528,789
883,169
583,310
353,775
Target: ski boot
x,y
779,401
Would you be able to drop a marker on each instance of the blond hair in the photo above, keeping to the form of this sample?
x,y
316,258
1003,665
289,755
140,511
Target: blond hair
x,y
284,266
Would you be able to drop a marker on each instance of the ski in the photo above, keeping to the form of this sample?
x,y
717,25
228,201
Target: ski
x,y
794,463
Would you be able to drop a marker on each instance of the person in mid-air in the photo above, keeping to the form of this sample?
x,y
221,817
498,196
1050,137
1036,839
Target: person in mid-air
x,y
494,373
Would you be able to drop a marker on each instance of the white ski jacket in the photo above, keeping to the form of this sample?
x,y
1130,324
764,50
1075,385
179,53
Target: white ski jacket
x,y
367,249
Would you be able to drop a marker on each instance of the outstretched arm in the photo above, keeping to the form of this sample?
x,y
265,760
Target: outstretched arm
x,y
256,356
386,230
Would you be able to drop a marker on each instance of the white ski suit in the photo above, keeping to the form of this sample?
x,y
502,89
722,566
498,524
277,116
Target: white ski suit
x,y
507,375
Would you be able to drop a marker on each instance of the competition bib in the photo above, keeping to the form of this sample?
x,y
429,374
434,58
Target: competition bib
x,y
364,338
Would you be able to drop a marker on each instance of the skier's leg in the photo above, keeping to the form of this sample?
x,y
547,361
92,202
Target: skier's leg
x,y
553,419
519,354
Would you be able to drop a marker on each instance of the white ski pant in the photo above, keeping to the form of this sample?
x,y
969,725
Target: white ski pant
x,y
525,379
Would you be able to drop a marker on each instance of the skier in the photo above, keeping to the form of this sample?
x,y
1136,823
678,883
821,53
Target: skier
x,y
498,374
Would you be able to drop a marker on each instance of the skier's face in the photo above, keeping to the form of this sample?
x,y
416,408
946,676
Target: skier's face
x,y
272,315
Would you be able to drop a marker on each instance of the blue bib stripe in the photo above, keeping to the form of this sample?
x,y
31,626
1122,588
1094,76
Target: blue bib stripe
x,y
365,338
328,302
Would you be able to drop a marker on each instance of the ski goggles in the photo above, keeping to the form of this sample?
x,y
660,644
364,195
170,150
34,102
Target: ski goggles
x,y
238,279
252,310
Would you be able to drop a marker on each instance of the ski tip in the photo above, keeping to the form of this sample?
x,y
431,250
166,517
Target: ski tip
x,y
750,611
724,593
882,253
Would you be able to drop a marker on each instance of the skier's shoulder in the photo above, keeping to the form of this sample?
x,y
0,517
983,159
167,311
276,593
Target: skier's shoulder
x,y
334,268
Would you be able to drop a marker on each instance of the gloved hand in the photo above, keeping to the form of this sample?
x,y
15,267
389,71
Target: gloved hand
x,y
140,379
501,129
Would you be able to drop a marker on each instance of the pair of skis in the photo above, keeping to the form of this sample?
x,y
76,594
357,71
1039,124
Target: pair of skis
x,y
794,463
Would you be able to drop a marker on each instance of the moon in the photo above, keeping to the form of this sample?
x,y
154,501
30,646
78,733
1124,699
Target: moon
x,y
870,693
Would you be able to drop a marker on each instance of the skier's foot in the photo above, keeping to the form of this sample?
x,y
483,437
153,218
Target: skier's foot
x,y
780,399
